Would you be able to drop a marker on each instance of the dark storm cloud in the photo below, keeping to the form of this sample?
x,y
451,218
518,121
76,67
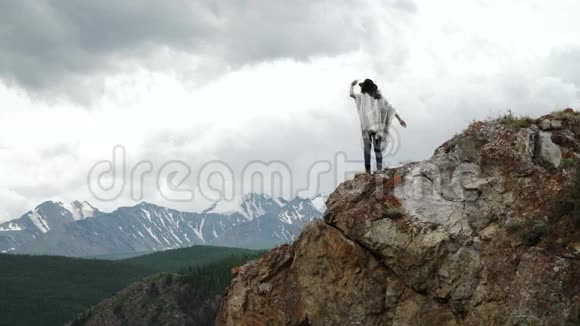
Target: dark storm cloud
x,y
46,44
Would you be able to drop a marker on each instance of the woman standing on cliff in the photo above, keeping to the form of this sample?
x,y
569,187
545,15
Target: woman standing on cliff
x,y
375,115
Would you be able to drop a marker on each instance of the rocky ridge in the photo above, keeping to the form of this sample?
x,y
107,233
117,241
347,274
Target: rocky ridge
x,y
470,236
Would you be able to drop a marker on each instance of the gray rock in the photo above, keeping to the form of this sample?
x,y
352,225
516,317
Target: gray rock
x,y
550,124
556,124
547,150
544,124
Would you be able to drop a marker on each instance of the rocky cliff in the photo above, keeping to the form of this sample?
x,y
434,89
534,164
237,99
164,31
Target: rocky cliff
x,y
485,232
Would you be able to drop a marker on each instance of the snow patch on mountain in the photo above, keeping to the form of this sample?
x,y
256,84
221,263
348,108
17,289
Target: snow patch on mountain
x,y
11,226
224,207
38,221
319,202
199,230
257,204
280,201
78,210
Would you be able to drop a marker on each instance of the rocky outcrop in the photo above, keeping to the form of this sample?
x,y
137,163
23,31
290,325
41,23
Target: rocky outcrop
x,y
438,242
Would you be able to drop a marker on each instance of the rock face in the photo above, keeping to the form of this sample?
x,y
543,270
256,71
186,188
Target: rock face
x,y
438,242
549,151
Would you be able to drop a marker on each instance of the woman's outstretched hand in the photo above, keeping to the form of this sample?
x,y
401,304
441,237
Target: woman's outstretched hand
x,y
401,121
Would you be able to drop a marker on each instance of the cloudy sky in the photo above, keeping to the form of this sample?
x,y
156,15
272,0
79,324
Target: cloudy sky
x,y
230,83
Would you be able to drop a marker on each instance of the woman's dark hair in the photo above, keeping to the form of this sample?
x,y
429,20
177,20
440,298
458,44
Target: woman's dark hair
x,y
369,87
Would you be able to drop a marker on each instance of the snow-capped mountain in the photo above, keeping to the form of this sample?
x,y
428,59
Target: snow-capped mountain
x,y
50,214
80,211
143,227
43,218
251,206
79,229
277,225
255,205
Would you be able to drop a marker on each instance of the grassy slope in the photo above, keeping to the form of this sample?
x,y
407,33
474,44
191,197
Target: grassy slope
x,y
48,290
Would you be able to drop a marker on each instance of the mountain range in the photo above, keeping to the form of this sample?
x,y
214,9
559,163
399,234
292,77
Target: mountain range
x,y
79,229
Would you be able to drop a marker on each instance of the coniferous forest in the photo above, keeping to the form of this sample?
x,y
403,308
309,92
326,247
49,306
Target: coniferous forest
x,y
51,290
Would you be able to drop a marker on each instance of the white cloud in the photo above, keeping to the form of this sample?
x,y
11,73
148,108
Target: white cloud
x,y
441,64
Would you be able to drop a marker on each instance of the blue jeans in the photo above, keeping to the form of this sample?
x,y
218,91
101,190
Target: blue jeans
x,y
370,139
